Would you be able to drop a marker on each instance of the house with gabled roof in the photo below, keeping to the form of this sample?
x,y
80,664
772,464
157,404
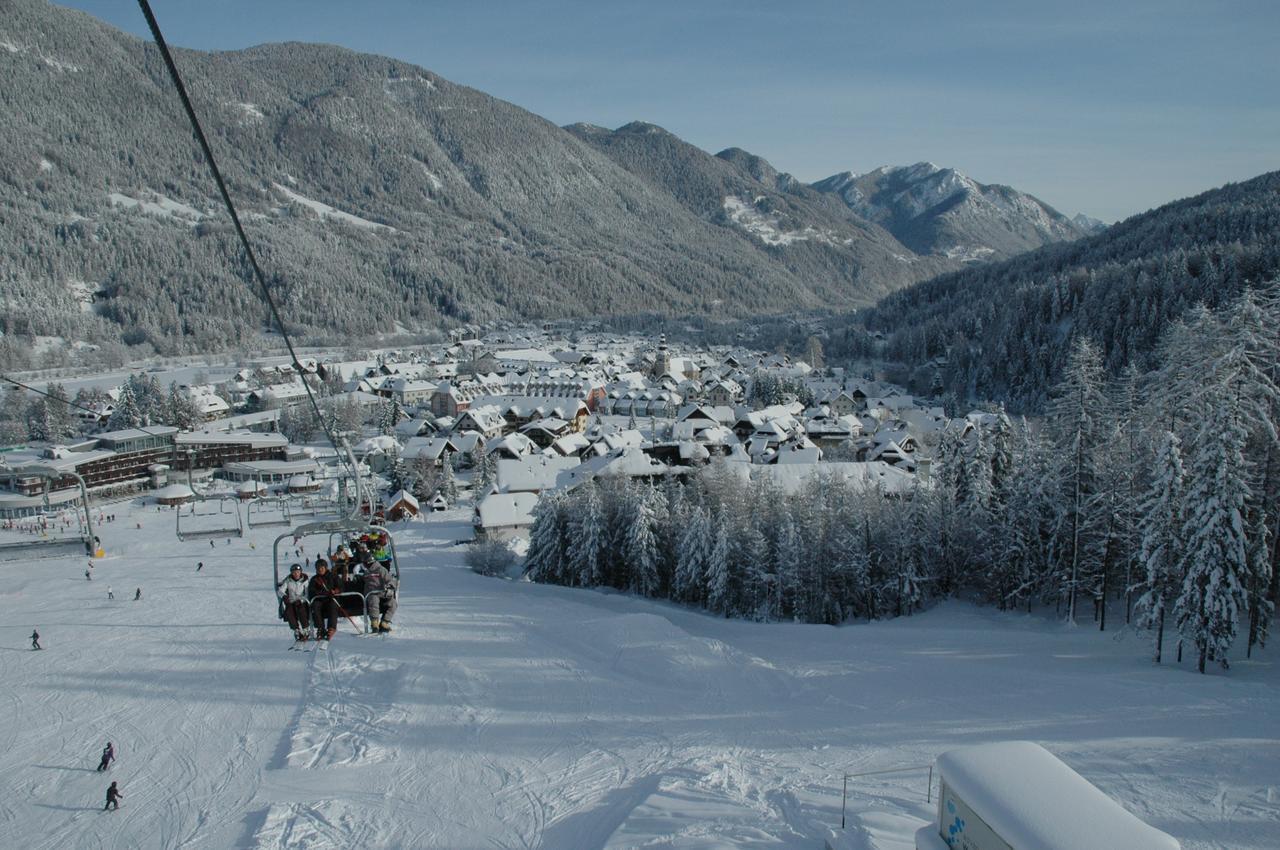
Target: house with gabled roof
x,y
486,420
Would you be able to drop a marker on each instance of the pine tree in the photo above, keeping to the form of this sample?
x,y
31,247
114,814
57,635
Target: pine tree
x,y
61,417
546,557
1213,591
688,584
127,413
448,485
717,570
789,552
1077,411
1258,584
1162,529
486,475
586,548
182,412
642,545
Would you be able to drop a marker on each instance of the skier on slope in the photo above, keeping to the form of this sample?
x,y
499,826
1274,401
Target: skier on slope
x,y
35,640
293,597
380,591
113,798
108,756
200,566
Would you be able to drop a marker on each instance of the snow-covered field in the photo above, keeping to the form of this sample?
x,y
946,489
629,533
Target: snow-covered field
x,y
509,715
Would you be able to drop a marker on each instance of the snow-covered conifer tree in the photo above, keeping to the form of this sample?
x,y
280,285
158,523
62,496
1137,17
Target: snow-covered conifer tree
x,y
642,544
587,544
1077,411
1212,596
486,475
1162,529
127,413
789,551
545,560
448,485
688,583
718,578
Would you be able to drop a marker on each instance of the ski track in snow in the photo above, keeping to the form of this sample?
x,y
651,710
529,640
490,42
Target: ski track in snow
x,y
510,715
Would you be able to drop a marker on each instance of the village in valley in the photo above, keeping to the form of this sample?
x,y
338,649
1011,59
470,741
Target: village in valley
x,y
488,420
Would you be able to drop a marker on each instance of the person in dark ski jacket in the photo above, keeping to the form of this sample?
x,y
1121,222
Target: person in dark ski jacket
x,y
293,597
324,607
108,756
35,640
113,798
380,592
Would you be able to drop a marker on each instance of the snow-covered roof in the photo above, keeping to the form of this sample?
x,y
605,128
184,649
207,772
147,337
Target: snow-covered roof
x,y
174,491
570,443
532,474
380,443
1030,798
499,510
631,462
246,438
406,497
514,443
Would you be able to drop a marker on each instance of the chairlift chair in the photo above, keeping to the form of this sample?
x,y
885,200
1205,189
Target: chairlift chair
x,y
268,511
203,522
352,602
54,546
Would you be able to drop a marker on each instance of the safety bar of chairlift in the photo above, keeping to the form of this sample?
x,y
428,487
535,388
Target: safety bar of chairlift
x,y
51,474
362,597
364,600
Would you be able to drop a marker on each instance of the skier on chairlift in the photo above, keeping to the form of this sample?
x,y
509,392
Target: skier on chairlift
x,y
293,598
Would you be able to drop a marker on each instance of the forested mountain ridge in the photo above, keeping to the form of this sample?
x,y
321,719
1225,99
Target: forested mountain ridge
x,y
377,194
1002,331
935,210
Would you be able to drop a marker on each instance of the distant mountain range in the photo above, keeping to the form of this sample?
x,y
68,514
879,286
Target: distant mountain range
x,y
935,210
1003,330
381,197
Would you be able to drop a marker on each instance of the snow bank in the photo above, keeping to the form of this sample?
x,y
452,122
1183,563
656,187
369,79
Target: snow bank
x,y
1032,800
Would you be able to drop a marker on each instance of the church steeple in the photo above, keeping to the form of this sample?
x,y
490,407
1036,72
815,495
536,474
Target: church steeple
x,y
662,362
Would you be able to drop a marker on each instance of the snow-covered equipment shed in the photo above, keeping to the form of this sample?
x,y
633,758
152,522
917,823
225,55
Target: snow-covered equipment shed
x,y
1016,795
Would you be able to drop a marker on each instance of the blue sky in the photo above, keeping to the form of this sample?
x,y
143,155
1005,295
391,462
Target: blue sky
x,y
1103,108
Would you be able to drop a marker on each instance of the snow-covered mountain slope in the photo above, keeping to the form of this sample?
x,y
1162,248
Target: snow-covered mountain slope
x,y
510,715
935,210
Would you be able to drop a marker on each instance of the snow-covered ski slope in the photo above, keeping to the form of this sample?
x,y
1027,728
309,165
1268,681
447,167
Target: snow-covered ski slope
x,y
509,715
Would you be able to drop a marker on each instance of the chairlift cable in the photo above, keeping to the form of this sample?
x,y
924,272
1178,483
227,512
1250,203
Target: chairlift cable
x,y
235,219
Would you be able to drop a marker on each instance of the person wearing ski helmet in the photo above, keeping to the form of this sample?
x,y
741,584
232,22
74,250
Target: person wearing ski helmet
x,y
380,592
322,591
293,599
